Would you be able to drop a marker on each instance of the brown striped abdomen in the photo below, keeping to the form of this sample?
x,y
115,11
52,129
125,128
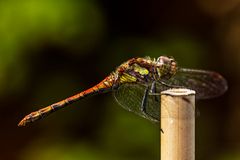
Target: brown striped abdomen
x,y
102,87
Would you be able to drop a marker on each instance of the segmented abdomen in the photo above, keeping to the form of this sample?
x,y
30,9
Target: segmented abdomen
x,y
102,87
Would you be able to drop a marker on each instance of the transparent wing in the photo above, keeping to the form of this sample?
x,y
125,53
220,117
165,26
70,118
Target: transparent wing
x,y
207,84
130,97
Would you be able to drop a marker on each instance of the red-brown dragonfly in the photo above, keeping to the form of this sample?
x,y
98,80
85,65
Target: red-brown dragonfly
x,y
136,81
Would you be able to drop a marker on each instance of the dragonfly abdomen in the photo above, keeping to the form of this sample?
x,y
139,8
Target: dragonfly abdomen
x,y
102,87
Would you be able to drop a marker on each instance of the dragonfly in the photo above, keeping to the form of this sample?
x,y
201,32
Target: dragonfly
x,y
137,84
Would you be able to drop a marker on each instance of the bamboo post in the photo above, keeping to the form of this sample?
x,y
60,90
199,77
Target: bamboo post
x,y
178,124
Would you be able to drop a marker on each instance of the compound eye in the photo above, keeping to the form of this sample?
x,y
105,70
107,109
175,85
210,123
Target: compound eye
x,y
163,60
159,59
174,64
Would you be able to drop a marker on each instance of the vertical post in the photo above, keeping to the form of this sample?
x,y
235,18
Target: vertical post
x,y
178,124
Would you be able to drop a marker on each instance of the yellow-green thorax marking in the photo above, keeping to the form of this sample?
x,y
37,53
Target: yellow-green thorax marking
x,y
146,70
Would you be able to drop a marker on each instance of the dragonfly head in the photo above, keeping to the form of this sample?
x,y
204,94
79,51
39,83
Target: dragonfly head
x,y
166,67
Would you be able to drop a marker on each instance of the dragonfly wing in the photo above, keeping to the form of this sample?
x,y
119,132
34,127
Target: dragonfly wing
x,y
130,96
207,84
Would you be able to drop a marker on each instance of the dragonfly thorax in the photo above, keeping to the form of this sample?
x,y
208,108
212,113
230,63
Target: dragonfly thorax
x,y
166,67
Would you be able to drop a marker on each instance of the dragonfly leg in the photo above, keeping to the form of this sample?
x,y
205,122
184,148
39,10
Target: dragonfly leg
x,y
153,87
169,86
153,91
144,100
161,130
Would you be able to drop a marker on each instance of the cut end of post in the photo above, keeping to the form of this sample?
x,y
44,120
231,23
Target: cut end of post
x,y
178,92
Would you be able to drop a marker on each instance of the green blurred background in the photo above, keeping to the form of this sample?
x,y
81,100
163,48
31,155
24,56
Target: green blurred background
x,y
51,49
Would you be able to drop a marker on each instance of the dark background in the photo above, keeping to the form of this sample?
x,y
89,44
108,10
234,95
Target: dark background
x,y
51,49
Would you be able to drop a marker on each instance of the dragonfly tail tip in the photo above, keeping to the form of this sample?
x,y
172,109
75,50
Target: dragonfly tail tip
x,y
24,122
21,123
